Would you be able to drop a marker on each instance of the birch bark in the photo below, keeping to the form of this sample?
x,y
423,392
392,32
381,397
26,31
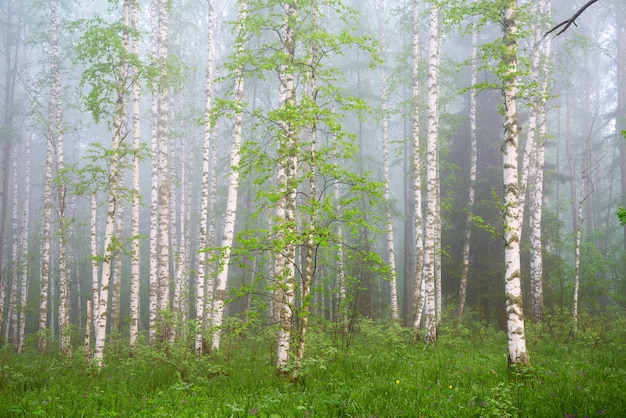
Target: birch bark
x,y
204,198
112,206
515,315
286,179
419,296
24,235
431,178
163,168
154,180
233,186
134,223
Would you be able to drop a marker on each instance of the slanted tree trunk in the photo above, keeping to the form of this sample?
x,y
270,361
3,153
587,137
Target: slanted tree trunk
x,y
514,310
233,186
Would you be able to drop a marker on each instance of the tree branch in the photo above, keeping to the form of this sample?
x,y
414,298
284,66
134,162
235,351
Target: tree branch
x,y
571,21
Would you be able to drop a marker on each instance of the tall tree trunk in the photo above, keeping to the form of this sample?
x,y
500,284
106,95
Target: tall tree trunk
x,y
536,263
113,204
620,123
431,176
55,122
24,235
419,296
472,180
164,184
393,287
311,166
204,197
134,223
286,179
230,217
154,180
513,290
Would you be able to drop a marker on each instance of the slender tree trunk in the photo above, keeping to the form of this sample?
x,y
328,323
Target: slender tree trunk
x,y
233,187
154,180
620,125
163,168
24,235
11,326
113,204
311,165
432,176
204,198
513,290
577,242
472,180
286,179
419,296
88,331
134,223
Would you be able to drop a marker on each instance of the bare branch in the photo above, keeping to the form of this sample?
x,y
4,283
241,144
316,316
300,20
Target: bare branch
x,y
571,21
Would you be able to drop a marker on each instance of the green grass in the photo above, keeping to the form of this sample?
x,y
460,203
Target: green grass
x,y
381,374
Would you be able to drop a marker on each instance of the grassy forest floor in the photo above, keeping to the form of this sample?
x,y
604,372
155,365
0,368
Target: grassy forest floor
x,y
380,373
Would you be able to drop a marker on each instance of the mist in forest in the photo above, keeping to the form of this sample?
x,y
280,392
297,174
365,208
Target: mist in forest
x,y
121,184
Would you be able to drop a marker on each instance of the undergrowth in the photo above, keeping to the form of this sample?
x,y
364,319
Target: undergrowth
x,y
381,372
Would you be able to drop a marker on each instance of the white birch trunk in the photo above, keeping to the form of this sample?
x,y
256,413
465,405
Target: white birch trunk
x,y
56,115
154,182
134,223
393,288
11,326
536,260
419,295
286,211
513,290
88,324
311,165
472,181
230,216
95,270
24,264
114,179
164,185
45,245
431,179
204,198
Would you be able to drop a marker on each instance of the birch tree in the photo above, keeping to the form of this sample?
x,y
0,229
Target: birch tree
x,y
162,157
134,251
204,193
106,75
515,315
393,288
432,176
286,182
419,296
233,183
24,235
